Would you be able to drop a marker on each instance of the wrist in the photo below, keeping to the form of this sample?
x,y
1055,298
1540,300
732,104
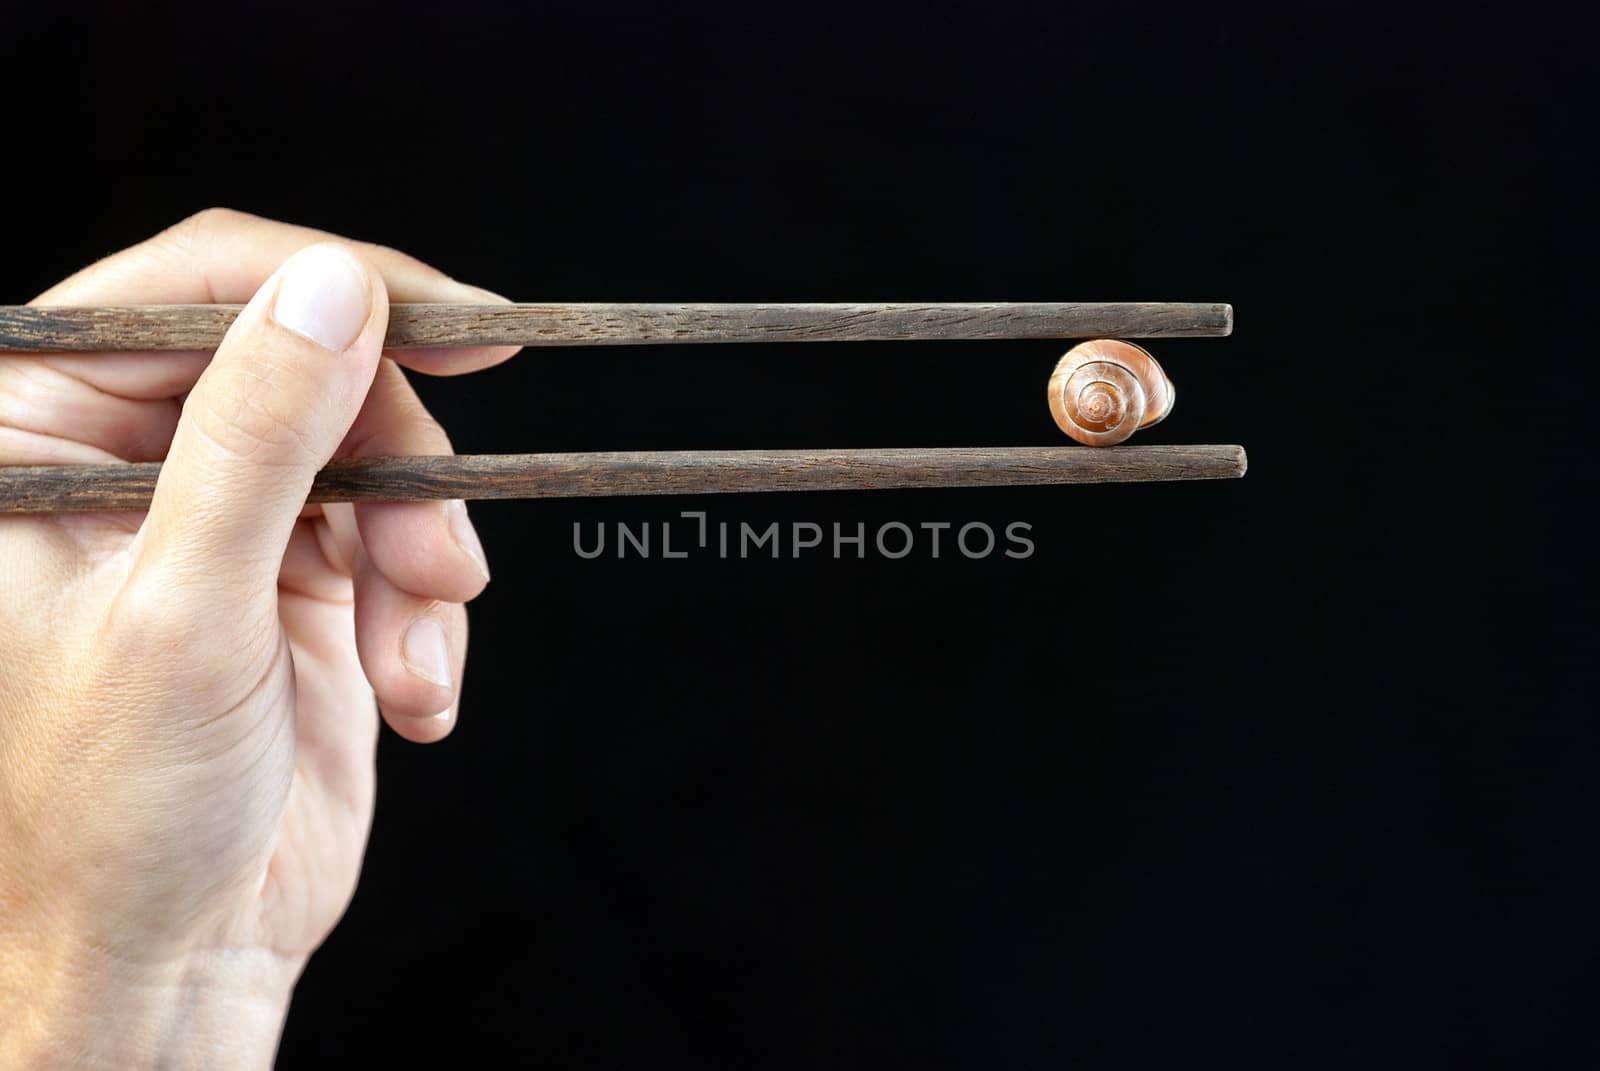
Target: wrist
x,y
217,1008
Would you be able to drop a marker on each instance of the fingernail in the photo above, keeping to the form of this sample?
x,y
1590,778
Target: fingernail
x,y
478,293
426,652
323,296
465,535
443,715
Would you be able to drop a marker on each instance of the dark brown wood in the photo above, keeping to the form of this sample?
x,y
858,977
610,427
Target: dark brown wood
x,y
60,488
201,327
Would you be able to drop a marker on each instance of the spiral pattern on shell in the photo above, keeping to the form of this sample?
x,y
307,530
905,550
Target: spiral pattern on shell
x,y
1104,390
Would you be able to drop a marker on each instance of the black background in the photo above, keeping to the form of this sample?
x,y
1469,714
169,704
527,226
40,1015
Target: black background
x,y
1294,770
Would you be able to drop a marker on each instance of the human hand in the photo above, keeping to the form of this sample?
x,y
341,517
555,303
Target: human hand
x,y
187,724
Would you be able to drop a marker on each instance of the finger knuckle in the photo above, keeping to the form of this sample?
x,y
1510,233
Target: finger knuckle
x,y
425,434
382,252
22,402
144,626
218,218
174,626
206,224
252,425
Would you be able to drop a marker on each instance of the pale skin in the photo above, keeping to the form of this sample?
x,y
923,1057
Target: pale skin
x,y
190,698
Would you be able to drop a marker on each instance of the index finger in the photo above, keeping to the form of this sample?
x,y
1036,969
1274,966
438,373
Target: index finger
x,y
222,256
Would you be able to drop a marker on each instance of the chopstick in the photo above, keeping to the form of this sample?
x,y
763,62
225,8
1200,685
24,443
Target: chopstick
x,y
201,327
61,488
137,328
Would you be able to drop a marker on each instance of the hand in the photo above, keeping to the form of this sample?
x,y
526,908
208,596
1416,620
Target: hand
x,y
187,723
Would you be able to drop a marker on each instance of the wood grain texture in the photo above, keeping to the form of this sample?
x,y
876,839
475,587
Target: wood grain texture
x,y
61,488
201,327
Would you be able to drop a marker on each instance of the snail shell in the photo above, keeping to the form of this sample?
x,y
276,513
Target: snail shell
x,y
1105,389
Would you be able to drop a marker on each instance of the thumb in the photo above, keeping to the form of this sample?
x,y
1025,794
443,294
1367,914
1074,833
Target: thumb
x,y
268,412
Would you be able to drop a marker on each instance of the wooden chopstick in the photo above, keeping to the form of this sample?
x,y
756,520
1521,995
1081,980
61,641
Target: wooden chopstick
x,y
61,488
201,327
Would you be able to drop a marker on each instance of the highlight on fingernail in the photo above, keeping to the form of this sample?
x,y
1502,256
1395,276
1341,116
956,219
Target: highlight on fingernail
x,y
482,295
323,296
426,651
465,535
